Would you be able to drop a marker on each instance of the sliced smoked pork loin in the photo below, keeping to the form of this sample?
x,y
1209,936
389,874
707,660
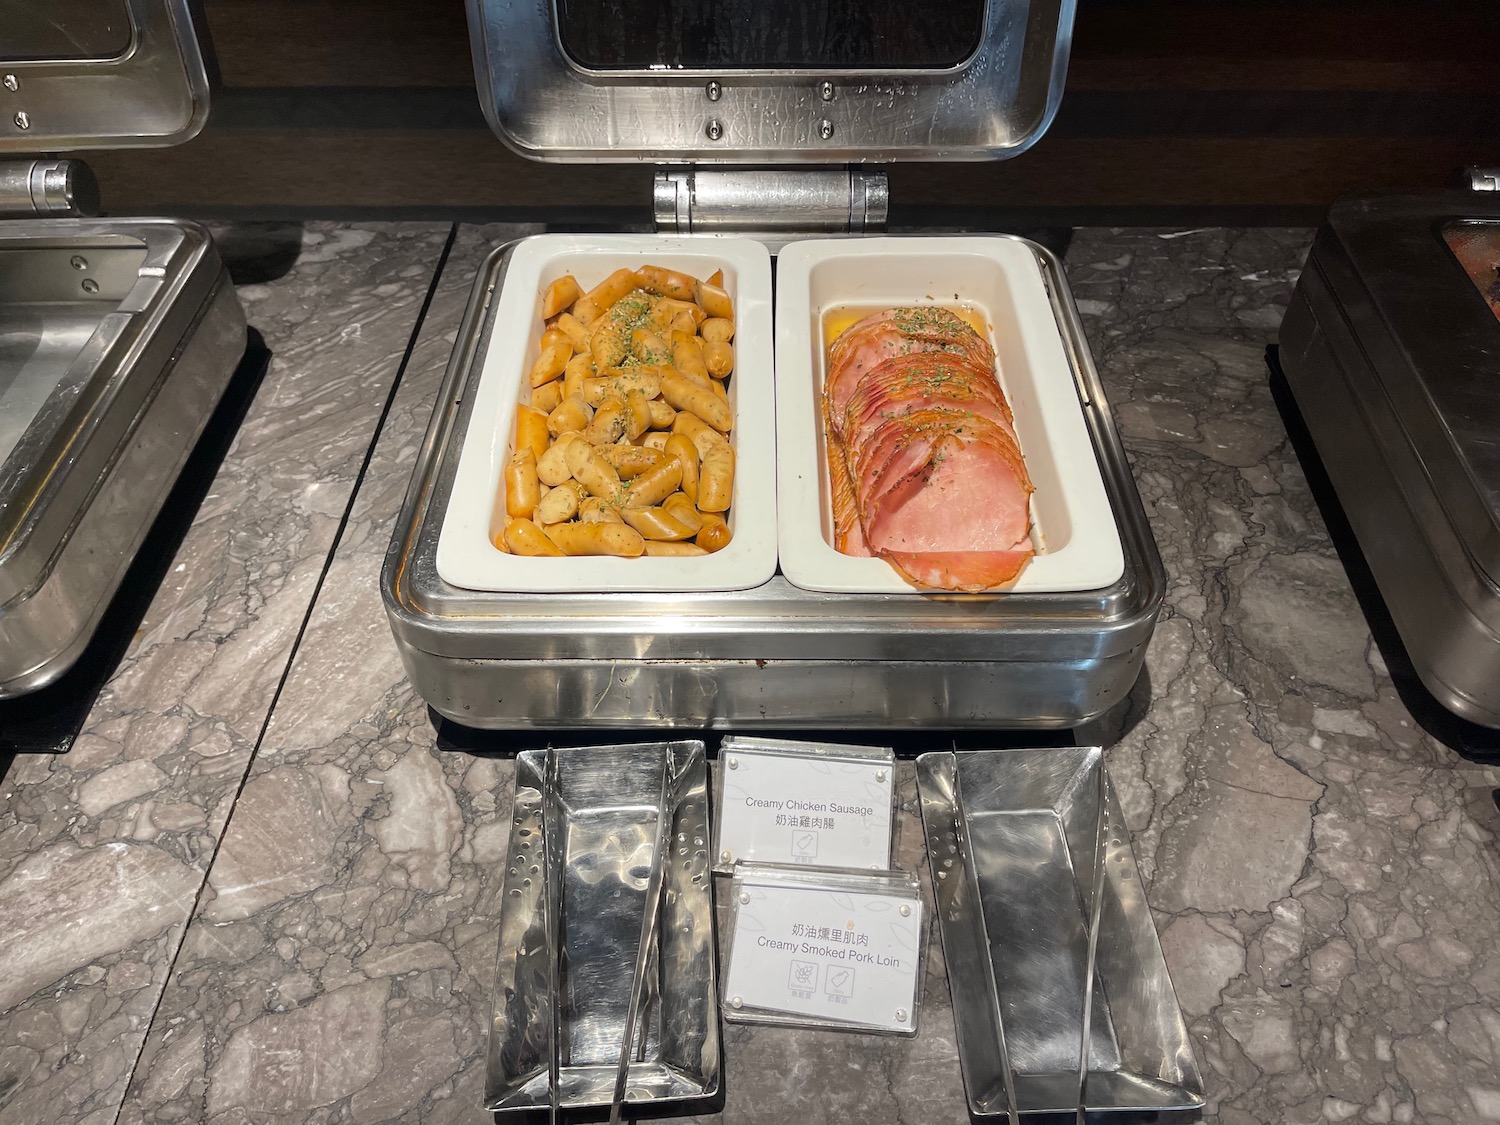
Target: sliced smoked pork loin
x,y
924,463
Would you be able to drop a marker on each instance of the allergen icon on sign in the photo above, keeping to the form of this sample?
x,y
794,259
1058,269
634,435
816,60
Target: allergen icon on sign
x,y
803,978
840,984
804,845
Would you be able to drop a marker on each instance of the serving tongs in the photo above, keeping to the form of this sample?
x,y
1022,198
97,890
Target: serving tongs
x,y
552,884
642,978
1091,1022
1093,908
987,965
645,951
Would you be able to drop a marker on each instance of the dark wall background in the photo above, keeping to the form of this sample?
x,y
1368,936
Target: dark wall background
x,y
1215,109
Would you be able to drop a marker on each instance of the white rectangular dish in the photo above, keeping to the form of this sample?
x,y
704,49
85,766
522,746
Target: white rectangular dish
x,y
466,554
1072,526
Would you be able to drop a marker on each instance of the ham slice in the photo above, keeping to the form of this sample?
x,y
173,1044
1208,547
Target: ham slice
x,y
915,381
848,536
905,445
965,494
968,571
893,334
925,465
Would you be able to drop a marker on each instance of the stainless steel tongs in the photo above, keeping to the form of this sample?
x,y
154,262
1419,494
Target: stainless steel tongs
x,y
1095,903
651,912
970,867
552,848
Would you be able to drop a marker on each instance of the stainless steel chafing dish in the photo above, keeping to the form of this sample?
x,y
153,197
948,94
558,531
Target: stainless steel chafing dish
x,y
1390,348
117,337
577,82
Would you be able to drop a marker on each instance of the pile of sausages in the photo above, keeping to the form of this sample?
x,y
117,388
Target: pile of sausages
x,y
624,446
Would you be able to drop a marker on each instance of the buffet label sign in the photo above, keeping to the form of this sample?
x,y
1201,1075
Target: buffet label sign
x,y
834,955
815,811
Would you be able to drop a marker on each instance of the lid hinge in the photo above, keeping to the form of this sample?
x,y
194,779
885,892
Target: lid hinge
x,y
45,187
1484,179
779,201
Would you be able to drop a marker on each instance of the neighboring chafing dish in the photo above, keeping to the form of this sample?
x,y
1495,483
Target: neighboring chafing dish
x,y
117,336
1390,350
117,339
774,656
1011,840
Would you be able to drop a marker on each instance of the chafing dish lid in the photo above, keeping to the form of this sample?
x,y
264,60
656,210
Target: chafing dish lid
x,y
1433,342
770,81
78,74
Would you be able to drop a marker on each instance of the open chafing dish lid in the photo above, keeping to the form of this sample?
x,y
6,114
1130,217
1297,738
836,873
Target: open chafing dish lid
x,y
770,81
90,74
1415,277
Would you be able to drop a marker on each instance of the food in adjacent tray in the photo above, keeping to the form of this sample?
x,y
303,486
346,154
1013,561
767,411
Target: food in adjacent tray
x,y
924,464
623,449
1477,248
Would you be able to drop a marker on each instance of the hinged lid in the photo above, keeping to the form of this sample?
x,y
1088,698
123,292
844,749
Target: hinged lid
x,y
770,81
78,74
1431,340
769,201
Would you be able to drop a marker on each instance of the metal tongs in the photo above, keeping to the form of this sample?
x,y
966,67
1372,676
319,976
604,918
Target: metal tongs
x,y
552,891
1096,898
552,846
961,825
651,912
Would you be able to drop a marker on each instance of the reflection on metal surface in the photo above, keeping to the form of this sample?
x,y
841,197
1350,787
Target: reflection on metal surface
x,y
775,656
607,811
1010,839
116,340
993,103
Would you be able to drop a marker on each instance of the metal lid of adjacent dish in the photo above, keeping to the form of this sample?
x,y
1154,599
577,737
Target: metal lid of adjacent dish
x,y
1432,340
78,74
770,81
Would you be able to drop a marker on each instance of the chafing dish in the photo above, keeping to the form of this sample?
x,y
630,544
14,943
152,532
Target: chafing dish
x,y
117,336
570,82
1389,347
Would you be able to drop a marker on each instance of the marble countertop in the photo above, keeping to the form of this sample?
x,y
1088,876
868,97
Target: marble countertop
x,y
258,890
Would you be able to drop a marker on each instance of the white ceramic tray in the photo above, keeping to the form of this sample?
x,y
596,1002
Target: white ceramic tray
x,y
466,555
1073,529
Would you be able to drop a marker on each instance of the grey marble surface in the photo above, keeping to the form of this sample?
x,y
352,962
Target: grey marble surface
x,y
1323,873
340,963
104,850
